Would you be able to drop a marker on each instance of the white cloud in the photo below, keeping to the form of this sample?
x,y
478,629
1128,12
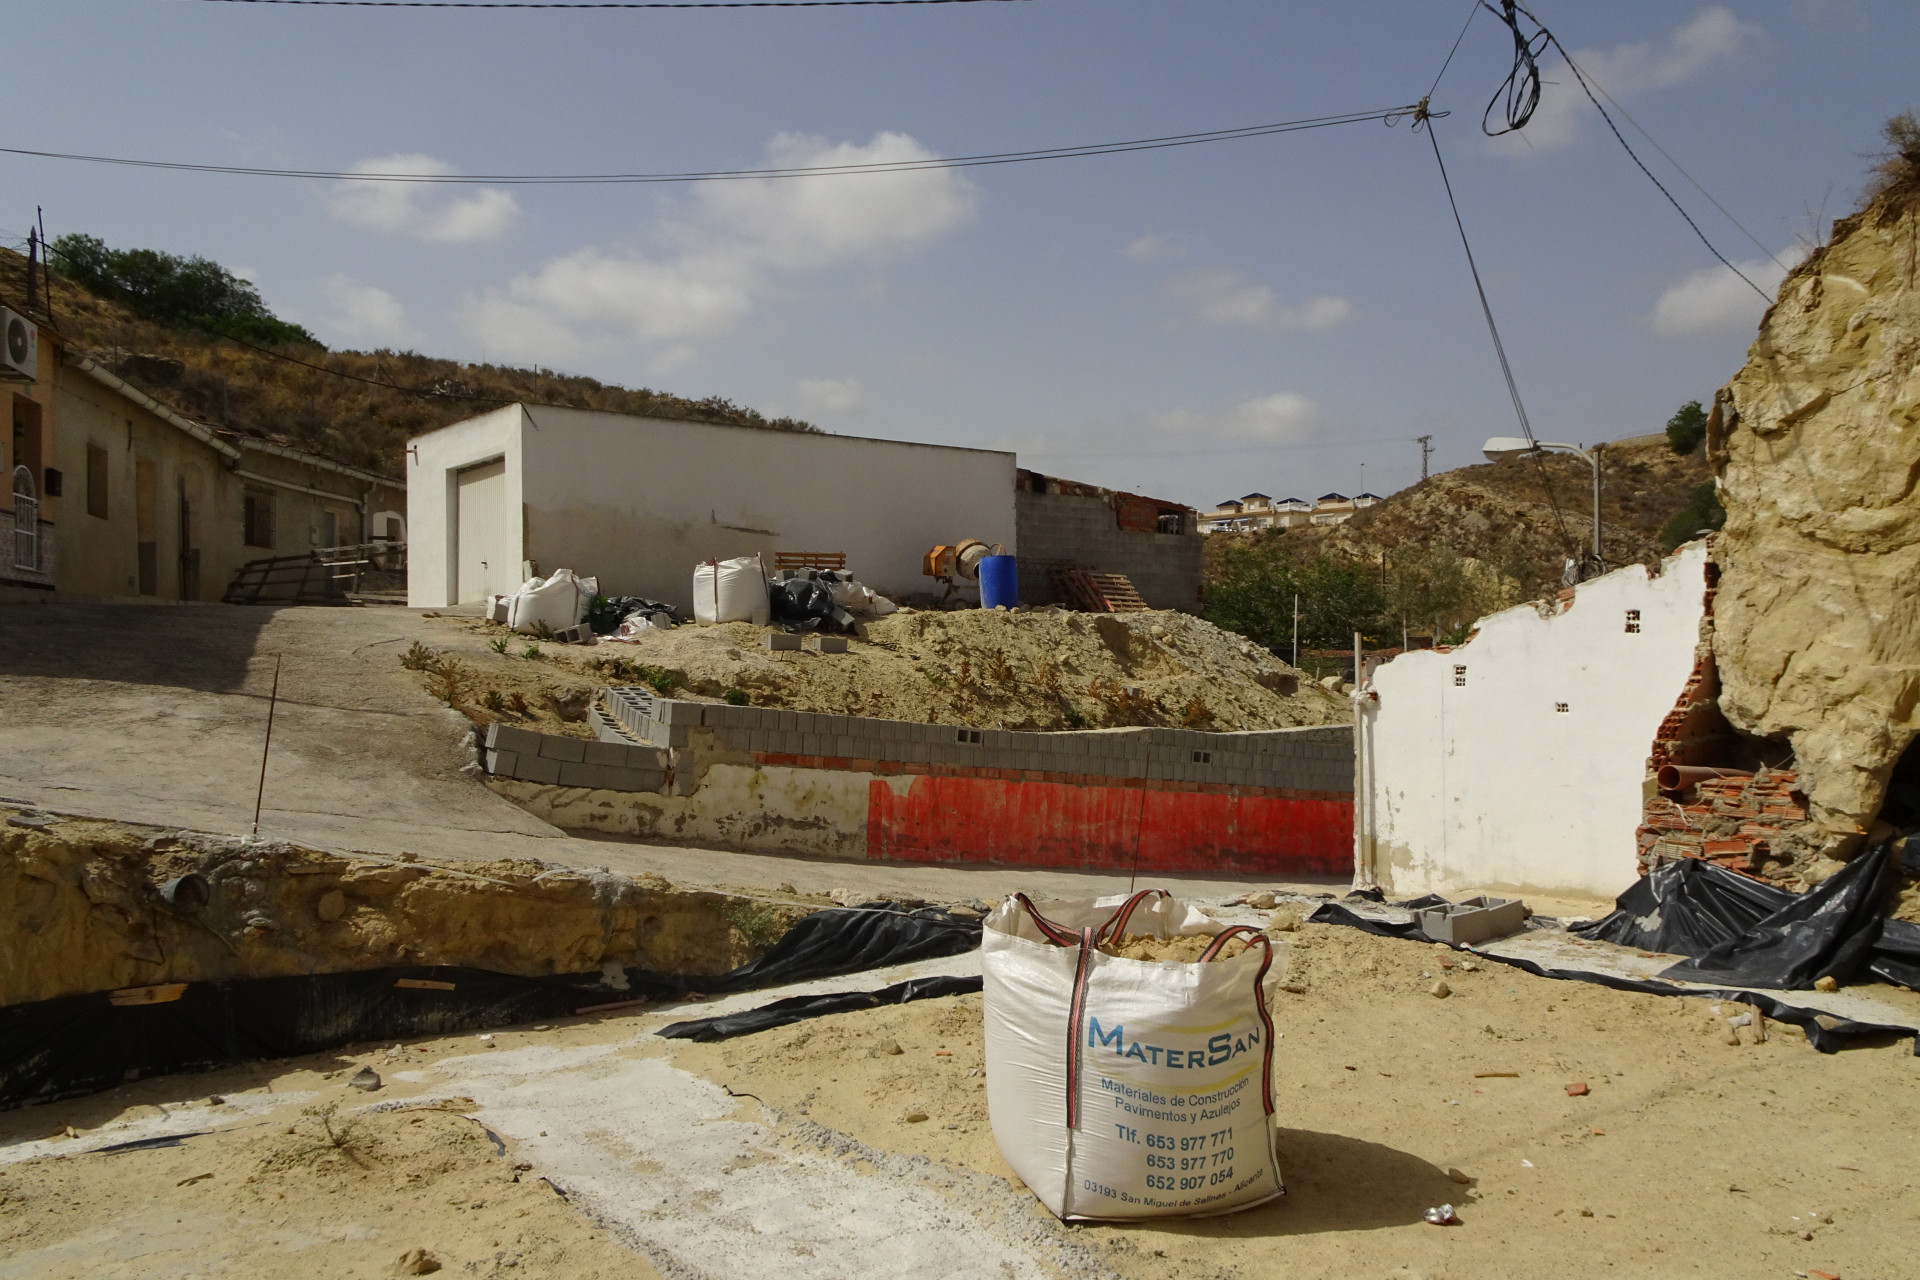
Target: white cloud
x,y
733,243
1714,301
1222,298
830,396
1152,248
424,211
365,315
1712,36
1285,417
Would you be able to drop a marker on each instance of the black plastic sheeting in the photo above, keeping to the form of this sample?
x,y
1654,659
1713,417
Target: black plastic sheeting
x,y
82,1044
798,1008
1824,1031
1739,930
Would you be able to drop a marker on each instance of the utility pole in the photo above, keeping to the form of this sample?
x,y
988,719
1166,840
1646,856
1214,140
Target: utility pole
x,y
1426,451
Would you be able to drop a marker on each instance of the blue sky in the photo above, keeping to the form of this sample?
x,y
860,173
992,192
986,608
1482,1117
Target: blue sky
x,y
1283,314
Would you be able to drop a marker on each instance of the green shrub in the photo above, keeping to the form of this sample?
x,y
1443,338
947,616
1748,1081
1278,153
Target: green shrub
x,y
1687,428
1702,514
735,698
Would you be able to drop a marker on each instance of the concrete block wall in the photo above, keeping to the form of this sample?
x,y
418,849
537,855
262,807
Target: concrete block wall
x,y
1317,760
574,762
1165,568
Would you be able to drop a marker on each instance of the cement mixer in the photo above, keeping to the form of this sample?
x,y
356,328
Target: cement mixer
x,y
959,563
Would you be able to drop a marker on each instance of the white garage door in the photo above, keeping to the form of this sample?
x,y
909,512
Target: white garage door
x,y
483,532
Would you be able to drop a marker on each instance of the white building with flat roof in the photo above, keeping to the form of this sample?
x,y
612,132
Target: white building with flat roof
x,y
638,502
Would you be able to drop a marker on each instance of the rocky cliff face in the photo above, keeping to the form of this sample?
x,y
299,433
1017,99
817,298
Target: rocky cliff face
x,y
1816,444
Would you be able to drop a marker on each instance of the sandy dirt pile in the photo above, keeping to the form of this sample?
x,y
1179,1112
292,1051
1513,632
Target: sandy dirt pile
x,y
1031,670
1184,948
314,1186
81,910
1391,1100
1817,629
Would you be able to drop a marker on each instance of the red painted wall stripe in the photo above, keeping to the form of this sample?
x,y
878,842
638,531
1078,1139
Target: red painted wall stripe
x,y
1051,824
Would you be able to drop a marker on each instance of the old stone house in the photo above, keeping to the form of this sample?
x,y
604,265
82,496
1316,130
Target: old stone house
x,y
117,495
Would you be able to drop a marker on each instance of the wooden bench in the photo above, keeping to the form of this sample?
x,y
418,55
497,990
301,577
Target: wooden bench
x,y
809,559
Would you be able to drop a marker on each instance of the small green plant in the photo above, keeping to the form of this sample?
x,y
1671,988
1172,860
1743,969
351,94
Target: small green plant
x,y
1072,715
498,644
419,658
759,924
518,701
542,631
658,679
938,679
531,653
342,1137
1196,714
493,702
735,698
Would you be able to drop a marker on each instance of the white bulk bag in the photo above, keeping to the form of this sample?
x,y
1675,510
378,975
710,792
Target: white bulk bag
x,y
1128,1088
560,601
729,590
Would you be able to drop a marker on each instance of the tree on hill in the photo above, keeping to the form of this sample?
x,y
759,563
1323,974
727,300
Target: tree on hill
x,y
1687,428
195,293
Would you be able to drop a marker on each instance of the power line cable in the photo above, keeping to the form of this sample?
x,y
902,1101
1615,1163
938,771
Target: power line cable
x,y
714,175
1473,8
1426,119
1522,91
1681,169
597,4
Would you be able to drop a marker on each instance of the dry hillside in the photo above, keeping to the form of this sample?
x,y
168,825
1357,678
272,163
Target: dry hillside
x,y
334,407
1503,514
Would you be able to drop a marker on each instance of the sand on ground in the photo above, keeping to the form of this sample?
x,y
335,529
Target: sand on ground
x,y
1686,1156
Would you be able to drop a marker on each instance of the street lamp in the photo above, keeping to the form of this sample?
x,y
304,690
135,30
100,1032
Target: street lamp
x,y
1502,447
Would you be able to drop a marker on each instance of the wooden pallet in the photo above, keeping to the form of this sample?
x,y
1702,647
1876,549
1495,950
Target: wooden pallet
x,y
809,559
1097,592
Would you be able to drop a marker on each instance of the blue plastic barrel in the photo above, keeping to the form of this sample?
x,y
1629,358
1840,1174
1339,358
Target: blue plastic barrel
x,y
999,582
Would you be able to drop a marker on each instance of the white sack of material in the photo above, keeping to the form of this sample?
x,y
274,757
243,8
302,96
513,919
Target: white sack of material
x,y
560,601
729,590
1127,1088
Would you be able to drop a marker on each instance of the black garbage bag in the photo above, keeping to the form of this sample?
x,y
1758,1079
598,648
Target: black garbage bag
x,y
606,613
799,600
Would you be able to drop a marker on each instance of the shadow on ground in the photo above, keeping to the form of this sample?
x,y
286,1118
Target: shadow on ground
x,y
1334,1183
202,647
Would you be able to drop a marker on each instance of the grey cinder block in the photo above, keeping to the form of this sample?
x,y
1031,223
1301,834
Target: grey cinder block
x,y
503,763
502,737
612,753
780,640
562,749
828,644
537,769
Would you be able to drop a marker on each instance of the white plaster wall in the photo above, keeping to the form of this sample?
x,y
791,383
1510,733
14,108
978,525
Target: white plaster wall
x,y
638,502
432,461
1486,785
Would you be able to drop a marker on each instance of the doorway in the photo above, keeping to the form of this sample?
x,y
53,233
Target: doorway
x,y
484,549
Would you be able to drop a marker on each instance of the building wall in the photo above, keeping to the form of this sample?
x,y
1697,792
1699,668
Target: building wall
x,y
433,460
1474,780
1165,568
638,502
1277,802
101,556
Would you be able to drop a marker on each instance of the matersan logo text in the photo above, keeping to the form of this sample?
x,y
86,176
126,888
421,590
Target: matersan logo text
x,y
1221,1048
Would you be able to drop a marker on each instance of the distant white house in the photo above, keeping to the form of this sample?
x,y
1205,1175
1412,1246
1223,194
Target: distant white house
x,y
1255,511
638,502
1516,762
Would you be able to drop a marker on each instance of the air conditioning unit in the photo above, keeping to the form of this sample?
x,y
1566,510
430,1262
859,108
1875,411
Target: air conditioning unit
x,y
20,355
